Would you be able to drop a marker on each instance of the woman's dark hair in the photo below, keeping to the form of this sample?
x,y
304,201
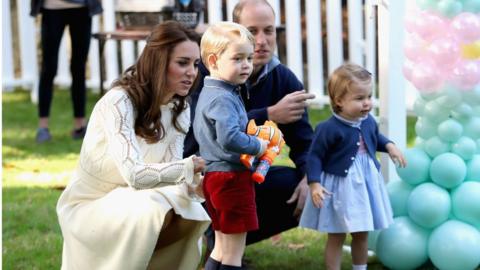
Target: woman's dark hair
x,y
145,81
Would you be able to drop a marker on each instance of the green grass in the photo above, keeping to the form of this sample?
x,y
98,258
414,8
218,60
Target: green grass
x,y
32,174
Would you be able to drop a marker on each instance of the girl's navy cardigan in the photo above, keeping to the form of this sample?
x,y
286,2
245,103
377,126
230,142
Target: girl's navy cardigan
x,y
335,145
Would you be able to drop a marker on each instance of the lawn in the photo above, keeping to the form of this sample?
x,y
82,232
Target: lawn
x,y
33,176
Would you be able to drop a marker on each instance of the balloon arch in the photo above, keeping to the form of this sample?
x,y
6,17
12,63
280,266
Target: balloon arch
x,y
437,203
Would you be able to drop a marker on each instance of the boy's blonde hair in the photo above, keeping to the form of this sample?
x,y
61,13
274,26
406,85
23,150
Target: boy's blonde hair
x,y
218,36
342,79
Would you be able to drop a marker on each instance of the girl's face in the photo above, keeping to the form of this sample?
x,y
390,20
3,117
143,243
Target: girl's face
x,y
182,69
357,102
234,65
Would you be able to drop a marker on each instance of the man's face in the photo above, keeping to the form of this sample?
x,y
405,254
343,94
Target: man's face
x,y
260,21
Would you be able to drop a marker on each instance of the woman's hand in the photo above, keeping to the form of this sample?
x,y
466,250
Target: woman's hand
x,y
318,193
196,191
396,155
198,164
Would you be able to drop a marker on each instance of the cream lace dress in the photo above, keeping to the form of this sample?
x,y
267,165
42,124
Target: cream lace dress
x,y
113,208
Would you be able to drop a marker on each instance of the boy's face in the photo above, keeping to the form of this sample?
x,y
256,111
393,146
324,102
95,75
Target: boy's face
x,y
234,65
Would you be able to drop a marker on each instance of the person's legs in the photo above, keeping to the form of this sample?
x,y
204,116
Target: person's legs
x,y
359,249
274,214
233,249
174,228
80,26
215,257
333,251
52,29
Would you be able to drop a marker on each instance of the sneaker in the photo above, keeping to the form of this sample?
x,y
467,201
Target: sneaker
x,y
43,135
78,134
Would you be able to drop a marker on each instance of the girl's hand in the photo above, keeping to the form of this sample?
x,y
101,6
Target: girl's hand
x,y
396,155
318,193
198,164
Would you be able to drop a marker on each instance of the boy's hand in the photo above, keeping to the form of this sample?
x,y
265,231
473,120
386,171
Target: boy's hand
x,y
396,155
318,193
263,146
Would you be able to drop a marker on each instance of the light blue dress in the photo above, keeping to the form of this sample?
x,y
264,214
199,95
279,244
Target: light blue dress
x,y
359,201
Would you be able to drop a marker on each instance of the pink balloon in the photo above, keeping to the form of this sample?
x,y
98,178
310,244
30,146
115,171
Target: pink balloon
x,y
408,70
466,26
444,52
426,78
414,47
426,24
466,74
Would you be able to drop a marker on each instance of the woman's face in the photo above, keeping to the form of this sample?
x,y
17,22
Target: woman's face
x,y
182,69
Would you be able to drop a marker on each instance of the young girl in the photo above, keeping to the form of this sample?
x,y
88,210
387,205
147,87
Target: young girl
x,y
347,193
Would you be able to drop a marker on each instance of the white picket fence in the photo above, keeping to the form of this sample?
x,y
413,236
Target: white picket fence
x,y
362,47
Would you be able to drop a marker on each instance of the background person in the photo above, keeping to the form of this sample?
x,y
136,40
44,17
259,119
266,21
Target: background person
x,y
56,15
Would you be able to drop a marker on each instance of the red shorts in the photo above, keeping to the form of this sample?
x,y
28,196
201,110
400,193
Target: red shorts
x,y
230,200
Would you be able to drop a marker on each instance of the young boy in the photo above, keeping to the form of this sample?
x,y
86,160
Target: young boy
x,y
220,121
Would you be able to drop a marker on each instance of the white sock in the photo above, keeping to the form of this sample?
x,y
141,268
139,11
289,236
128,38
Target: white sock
x,y
359,267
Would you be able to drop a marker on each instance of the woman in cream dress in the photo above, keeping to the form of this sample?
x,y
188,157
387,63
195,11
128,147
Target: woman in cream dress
x,y
133,202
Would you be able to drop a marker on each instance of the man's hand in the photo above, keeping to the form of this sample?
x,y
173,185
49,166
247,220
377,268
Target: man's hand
x,y
299,195
290,108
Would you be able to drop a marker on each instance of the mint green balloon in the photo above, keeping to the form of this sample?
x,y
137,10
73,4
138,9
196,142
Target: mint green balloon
x,y
449,97
429,96
473,169
425,129
434,112
450,130
465,147
478,146
462,112
372,240
476,110
448,170
417,170
419,106
419,142
429,205
472,6
427,4
455,245
435,146
472,97
472,127
398,192
449,8
466,202
403,245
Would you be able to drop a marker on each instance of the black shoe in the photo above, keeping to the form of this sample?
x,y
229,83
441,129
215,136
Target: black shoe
x,y
78,134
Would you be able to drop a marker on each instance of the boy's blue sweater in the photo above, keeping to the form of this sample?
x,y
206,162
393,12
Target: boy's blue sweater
x,y
273,84
219,127
335,145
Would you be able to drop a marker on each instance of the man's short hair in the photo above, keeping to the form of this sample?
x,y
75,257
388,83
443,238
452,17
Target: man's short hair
x,y
237,10
218,36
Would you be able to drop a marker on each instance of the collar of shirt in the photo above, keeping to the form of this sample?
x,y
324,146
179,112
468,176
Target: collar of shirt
x,y
210,81
274,62
355,124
